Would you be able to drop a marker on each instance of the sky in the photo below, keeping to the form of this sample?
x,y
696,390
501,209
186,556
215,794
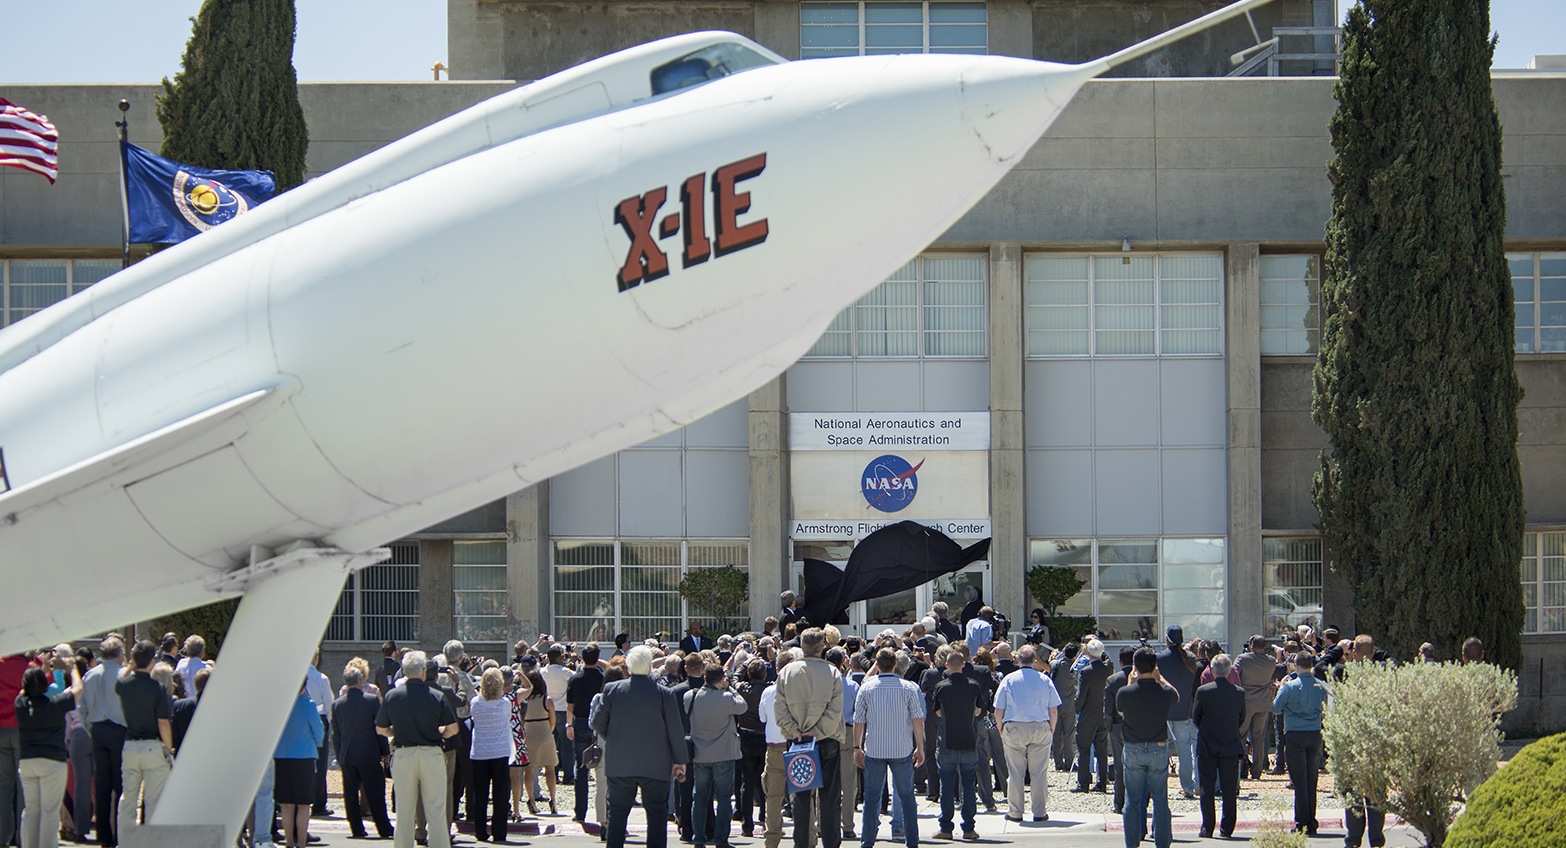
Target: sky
x,y
95,41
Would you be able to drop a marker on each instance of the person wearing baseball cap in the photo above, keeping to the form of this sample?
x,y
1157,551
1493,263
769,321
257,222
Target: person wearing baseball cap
x,y
1178,668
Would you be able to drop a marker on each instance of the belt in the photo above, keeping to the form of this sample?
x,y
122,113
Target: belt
x,y
777,744
545,718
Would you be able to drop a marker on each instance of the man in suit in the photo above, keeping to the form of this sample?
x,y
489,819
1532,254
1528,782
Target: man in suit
x,y
1092,731
1116,682
644,746
1065,679
1218,712
361,753
1256,667
696,640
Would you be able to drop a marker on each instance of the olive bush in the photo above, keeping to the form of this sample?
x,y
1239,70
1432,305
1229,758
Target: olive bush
x,y
1414,740
1523,804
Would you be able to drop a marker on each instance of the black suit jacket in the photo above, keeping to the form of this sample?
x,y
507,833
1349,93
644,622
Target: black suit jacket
x,y
353,729
1091,682
640,723
1218,711
1116,682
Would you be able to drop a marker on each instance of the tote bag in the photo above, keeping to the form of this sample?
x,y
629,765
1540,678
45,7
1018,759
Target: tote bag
x,y
802,766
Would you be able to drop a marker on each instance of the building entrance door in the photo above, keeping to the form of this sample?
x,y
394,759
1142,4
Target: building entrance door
x,y
899,610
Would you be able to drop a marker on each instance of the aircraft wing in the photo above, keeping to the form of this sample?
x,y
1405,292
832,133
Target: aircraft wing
x,y
137,458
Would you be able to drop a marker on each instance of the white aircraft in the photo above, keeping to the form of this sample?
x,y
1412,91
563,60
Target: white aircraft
x,y
553,275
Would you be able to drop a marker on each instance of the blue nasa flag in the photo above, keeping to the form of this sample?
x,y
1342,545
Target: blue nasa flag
x,y
167,202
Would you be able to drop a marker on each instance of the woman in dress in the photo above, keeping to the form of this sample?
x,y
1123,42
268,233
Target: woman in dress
x,y
538,726
294,764
519,690
490,754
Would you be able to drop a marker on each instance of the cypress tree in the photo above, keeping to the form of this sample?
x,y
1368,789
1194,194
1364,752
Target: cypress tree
x,y
1420,494
235,102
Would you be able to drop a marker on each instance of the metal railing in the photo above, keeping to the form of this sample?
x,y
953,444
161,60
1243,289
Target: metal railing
x,y
1280,62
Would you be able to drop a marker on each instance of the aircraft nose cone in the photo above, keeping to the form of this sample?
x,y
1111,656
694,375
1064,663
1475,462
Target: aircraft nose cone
x,y
1010,102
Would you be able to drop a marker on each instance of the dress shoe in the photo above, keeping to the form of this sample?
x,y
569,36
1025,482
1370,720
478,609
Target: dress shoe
x,y
1100,788
1078,789
848,833
1205,833
1043,818
1017,819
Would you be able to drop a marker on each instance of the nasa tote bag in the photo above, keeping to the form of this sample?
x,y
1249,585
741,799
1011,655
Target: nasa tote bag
x,y
802,766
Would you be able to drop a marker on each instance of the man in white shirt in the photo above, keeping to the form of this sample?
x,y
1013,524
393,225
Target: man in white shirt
x,y
319,690
195,659
556,676
772,780
1026,705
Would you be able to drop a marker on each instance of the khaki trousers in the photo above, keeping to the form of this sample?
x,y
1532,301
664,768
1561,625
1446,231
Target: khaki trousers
x,y
43,790
420,782
145,766
1027,750
773,784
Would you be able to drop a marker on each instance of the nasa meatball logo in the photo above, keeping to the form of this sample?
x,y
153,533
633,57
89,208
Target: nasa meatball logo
x,y
205,203
890,483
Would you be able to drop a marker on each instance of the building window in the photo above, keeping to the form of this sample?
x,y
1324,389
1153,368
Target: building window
x,y
30,285
1292,569
1539,293
1138,587
1544,582
867,28
1290,305
603,587
1118,305
381,602
933,307
480,608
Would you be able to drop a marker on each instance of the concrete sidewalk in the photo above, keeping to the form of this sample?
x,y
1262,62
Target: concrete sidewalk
x,y
1090,830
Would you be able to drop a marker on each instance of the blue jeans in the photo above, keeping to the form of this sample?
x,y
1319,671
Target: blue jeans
x,y
967,763
903,792
261,824
712,778
1146,774
1182,737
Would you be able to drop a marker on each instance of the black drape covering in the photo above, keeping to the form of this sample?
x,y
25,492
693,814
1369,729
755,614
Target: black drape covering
x,y
896,557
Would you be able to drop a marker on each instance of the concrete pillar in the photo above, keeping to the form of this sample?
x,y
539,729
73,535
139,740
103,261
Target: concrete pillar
x,y
434,594
777,27
769,499
1011,28
1008,490
475,41
527,562
1242,322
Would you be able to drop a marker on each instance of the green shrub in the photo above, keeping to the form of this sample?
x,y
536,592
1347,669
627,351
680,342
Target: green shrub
x,y
1276,829
210,622
719,594
1064,629
1523,804
1416,739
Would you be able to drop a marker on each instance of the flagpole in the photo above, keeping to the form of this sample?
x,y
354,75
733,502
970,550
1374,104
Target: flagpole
x,y
124,124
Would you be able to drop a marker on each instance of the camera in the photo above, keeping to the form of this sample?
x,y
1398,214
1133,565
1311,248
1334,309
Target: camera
x,y
1002,627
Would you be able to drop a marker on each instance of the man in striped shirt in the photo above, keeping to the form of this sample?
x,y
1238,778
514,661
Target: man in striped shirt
x,y
889,735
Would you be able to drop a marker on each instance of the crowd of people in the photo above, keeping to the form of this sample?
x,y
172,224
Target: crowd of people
x,y
703,733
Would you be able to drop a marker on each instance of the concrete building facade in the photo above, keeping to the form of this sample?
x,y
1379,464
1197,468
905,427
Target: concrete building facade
x,y
1105,364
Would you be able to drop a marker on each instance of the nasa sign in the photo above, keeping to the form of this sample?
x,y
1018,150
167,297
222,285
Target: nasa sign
x,y
890,483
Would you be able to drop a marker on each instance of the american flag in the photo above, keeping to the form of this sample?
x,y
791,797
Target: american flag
x,y
28,140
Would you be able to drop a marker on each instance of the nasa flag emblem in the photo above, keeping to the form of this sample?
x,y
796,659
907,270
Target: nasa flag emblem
x,y
802,765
